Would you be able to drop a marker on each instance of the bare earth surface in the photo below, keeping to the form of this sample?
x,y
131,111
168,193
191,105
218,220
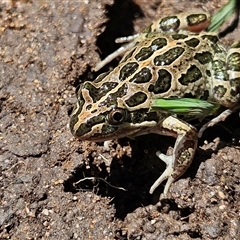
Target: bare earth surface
x,y
56,187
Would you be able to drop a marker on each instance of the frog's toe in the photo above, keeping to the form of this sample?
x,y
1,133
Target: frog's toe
x,y
167,159
167,174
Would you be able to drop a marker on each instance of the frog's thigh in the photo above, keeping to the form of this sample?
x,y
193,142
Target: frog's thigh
x,y
183,152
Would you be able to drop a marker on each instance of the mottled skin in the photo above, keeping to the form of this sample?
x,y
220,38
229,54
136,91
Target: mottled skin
x,y
170,59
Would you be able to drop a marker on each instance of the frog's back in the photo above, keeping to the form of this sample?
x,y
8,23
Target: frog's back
x,y
164,66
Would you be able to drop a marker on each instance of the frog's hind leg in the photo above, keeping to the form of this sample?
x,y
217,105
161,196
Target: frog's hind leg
x,y
226,87
193,22
233,65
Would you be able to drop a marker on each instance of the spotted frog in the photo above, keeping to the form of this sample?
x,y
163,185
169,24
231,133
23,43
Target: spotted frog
x,y
171,59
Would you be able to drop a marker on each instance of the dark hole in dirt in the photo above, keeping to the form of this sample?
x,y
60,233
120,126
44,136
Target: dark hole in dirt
x,y
195,234
232,193
118,25
185,212
167,205
86,178
44,197
10,227
192,234
70,111
134,174
112,185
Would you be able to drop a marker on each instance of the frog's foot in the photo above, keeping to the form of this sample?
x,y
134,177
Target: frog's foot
x,y
167,174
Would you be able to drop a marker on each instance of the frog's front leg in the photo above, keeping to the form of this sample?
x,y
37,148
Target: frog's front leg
x,y
183,152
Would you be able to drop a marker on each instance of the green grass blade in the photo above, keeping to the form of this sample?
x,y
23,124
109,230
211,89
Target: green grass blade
x,y
221,16
184,106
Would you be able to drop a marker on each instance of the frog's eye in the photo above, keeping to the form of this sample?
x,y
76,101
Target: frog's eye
x,y
116,116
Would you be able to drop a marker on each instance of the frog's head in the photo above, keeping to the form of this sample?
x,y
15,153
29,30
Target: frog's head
x,y
100,125
110,109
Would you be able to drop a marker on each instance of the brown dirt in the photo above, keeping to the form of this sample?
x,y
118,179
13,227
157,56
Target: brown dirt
x,y
49,47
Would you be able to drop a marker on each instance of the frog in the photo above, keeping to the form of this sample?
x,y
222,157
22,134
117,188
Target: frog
x,y
173,58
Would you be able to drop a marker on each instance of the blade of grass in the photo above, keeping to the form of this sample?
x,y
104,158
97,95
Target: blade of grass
x,y
184,106
222,15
